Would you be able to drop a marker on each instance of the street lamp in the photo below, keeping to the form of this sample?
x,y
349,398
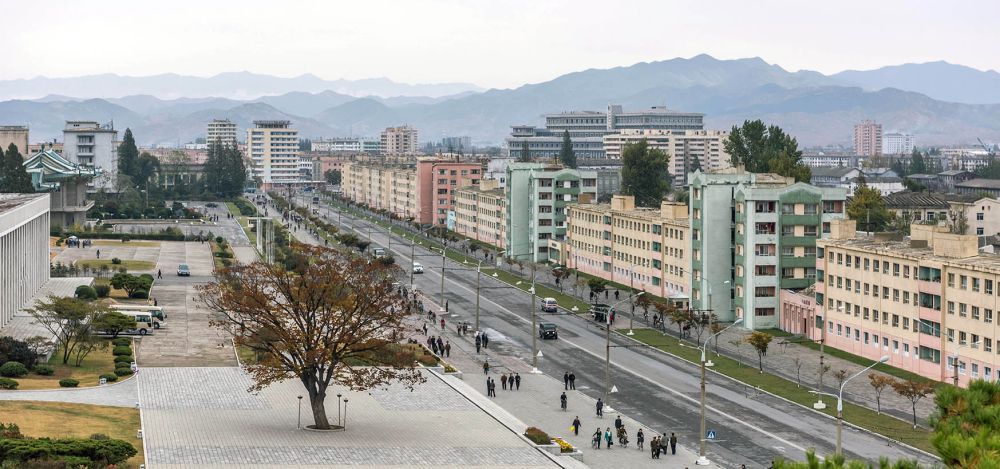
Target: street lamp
x,y
820,405
702,459
607,348
840,401
479,275
299,424
954,361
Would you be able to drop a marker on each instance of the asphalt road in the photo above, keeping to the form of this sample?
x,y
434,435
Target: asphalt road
x,y
658,390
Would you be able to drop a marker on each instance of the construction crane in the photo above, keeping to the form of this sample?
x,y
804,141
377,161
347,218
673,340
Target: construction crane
x,y
991,152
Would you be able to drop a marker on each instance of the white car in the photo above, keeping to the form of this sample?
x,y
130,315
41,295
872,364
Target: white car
x,y
417,268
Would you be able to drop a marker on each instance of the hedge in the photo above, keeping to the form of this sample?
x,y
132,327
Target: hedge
x,y
537,436
68,383
13,370
122,351
45,370
122,341
146,236
7,383
140,295
85,292
110,377
100,452
126,359
123,371
102,290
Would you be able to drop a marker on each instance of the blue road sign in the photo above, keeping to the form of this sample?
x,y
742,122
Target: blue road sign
x,y
710,435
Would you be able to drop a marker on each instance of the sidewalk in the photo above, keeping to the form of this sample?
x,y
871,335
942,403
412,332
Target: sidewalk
x,y
536,404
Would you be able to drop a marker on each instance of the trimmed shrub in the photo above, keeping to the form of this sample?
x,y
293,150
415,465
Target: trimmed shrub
x,y
115,260
220,240
85,292
7,383
71,452
121,342
102,290
147,278
126,239
13,370
122,351
110,377
45,370
68,383
124,371
126,359
537,436
140,295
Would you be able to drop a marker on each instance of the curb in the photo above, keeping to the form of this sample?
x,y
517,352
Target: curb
x,y
849,424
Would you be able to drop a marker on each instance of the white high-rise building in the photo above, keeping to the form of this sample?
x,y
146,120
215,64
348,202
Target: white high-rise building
x,y
90,144
898,143
223,131
273,148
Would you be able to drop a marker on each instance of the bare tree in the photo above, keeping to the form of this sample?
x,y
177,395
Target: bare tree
x,y
737,342
879,383
914,391
797,361
822,371
70,321
840,376
311,322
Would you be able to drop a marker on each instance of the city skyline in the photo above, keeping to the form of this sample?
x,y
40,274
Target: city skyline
x,y
445,43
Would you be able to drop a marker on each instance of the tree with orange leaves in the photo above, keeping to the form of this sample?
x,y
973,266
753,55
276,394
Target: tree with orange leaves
x,y
311,322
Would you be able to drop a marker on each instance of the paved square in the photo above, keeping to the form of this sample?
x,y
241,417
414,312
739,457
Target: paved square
x,y
203,417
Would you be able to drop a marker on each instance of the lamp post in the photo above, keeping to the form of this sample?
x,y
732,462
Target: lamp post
x,y
339,421
534,323
954,362
441,302
840,402
820,405
299,424
631,277
702,459
607,349
345,414
479,275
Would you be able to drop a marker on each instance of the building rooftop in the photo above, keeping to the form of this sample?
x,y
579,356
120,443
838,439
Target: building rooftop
x,y
904,248
11,201
980,184
832,171
47,168
908,199
922,176
953,172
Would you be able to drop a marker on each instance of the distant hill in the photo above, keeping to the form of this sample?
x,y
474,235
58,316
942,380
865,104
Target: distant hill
x,y
939,80
816,109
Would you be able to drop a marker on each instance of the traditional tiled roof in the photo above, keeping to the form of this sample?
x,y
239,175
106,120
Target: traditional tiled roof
x,y
980,184
48,168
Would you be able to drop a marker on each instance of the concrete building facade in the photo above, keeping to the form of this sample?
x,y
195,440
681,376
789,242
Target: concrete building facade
x,y
868,138
588,128
222,131
273,150
928,302
347,145
24,250
898,143
16,134
66,183
646,248
90,144
437,181
481,213
400,140
537,196
752,235
688,150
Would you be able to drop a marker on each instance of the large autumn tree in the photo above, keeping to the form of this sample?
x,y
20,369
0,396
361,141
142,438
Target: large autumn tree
x,y
760,148
310,323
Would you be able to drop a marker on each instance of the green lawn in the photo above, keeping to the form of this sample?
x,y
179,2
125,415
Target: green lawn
x,y
861,416
129,264
97,363
889,370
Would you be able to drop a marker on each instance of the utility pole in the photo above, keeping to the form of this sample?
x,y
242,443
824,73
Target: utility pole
x,y
443,249
534,322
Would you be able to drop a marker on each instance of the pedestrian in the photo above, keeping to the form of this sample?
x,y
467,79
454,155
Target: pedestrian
x,y
562,401
442,324
445,307
600,408
425,328
566,380
597,438
576,425
98,253
159,273
486,340
517,380
486,368
673,443
618,423
434,346
440,345
572,380
664,440
639,438
479,342
493,388
503,380
447,349
488,386
616,295
608,438
155,303
654,447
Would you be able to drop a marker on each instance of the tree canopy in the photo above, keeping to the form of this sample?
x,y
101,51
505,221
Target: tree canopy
x,y
525,155
645,174
14,178
867,207
225,169
965,430
766,149
312,322
128,154
332,176
917,164
566,155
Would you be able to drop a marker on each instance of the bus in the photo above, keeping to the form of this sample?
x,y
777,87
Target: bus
x,y
155,311
144,323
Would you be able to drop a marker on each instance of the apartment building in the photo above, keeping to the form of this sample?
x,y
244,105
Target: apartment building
x,y
973,210
481,213
647,248
752,235
588,128
868,138
688,150
17,135
93,145
24,250
437,181
537,196
222,131
401,140
898,143
928,301
347,145
273,150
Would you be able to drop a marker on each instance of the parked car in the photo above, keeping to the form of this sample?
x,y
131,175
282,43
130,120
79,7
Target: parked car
x,y
211,205
549,305
547,331
183,270
418,268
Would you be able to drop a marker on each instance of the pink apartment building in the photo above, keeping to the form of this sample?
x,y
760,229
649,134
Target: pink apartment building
x,y
437,181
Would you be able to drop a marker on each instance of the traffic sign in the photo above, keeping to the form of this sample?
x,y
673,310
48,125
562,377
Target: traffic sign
x,y
710,435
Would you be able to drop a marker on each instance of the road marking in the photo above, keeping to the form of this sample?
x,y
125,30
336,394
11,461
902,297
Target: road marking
x,y
637,374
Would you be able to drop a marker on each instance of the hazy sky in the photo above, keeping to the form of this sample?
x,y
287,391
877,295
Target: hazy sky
x,y
492,43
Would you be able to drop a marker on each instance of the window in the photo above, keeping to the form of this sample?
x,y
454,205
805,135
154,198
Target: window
x,y
840,330
906,297
963,282
787,209
980,231
906,271
866,263
906,349
895,346
963,310
987,344
988,315
848,261
810,230
951,280
988,287
975,284
951,307
979,216
975,313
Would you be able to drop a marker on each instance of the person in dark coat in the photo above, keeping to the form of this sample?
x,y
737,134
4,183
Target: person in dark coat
x,y
479,342
447,349
639,438
673,443
486,341
618,422
572,380
562,401
517,380
566,380
600,408
503,380
654,447
576,425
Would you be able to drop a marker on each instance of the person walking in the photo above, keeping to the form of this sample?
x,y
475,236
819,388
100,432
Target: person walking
x,y
503,380
562,401
600,408
479,342
440,345
572,380
486,368
159,273
98,253
576,425
597,439
486,340
618,423
447,349
566,380
442,324
654,447
639,438
608,438
434,346
664,440
673,443
517,380
493,388
488,393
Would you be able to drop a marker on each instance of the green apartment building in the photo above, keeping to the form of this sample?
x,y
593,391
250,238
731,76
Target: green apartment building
x,y
753,235
537,195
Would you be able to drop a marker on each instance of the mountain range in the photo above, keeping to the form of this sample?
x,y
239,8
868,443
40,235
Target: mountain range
x,y
941,103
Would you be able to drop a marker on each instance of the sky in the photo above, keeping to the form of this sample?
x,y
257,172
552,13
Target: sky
x,y
492,43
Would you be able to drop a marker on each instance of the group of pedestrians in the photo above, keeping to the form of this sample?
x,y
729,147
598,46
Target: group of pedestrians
x,y
660,444
439,346
510,382
569,381
482,340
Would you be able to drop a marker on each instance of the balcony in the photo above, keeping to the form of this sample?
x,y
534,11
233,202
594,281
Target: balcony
x,y
929,287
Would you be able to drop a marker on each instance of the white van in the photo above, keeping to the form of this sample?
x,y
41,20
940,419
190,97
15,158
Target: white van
x,y
550,305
